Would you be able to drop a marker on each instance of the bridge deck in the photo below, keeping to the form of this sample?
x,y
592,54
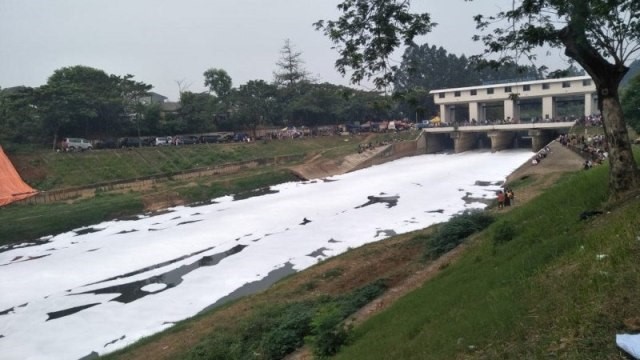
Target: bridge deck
x,y
508,127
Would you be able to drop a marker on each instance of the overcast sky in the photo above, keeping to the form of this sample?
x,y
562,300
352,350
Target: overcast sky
x,y
163,42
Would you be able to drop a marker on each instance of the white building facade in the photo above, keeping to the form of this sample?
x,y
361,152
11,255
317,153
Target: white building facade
x,y
480,104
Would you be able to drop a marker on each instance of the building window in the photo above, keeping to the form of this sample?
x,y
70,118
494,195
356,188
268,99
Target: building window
x,y
441,95
586,82
566,84
545,86
456,93
489,91
526,87
474,92
507,89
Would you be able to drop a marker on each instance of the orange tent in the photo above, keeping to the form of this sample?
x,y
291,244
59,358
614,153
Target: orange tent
x,y
12,187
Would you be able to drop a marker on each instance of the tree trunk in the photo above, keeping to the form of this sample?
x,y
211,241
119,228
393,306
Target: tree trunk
x,y
623,171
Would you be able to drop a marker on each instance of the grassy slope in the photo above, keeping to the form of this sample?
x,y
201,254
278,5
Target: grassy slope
x,y
47,170
542,294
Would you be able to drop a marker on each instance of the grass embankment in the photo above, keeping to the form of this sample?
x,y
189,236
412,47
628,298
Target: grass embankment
x,y
48,170
538,283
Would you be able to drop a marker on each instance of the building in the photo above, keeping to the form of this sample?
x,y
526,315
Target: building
x,y
515,102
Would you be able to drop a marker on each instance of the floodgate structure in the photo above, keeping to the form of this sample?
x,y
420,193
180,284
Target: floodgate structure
x,y
515,114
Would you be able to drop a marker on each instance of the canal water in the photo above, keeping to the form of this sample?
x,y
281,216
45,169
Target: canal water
x,y
96,289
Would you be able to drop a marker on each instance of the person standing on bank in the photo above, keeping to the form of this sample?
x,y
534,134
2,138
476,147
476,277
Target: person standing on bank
x,y
500,199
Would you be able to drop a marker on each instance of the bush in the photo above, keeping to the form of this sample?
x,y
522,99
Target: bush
x,y
289,331
504,231
352,302
274,331
455,231
328,333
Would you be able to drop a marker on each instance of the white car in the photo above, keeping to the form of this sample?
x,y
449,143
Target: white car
x,y
74,144
162,141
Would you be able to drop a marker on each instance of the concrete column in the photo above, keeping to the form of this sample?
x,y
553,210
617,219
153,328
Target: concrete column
x,y
540,138
433,143
588,105
474,111
509,109
548,108
500,140
463,141
443,113
421,143
451,114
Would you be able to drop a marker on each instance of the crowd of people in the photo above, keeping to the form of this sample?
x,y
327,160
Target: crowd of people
x,y
540,155
592,148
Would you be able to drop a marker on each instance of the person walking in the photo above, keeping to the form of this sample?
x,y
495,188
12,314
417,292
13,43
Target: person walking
x,y
500,199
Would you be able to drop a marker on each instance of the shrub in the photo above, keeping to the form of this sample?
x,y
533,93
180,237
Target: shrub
x,y
504,231
352,302
289,331
455,231
328,333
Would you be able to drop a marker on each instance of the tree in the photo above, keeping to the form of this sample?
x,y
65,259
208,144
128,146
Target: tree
x,y
368,32
218,81
599,35
197,111
256,104
131,93
19,120
290,67
74,98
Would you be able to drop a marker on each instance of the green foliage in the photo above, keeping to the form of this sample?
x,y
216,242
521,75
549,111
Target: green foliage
x,y
631,103
218,81
455,231
290,66
352,302
368,32
274,331
503,231
328,333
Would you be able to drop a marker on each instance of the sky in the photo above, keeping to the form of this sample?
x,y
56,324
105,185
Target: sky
x,y
140,276
170,43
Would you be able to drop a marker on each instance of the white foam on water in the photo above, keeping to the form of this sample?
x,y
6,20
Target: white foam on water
x,y
63,296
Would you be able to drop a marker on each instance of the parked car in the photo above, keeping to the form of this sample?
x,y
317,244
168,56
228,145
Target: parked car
x,y
185,140
108,143
237,137
73,144
162,141
128,142
209,139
